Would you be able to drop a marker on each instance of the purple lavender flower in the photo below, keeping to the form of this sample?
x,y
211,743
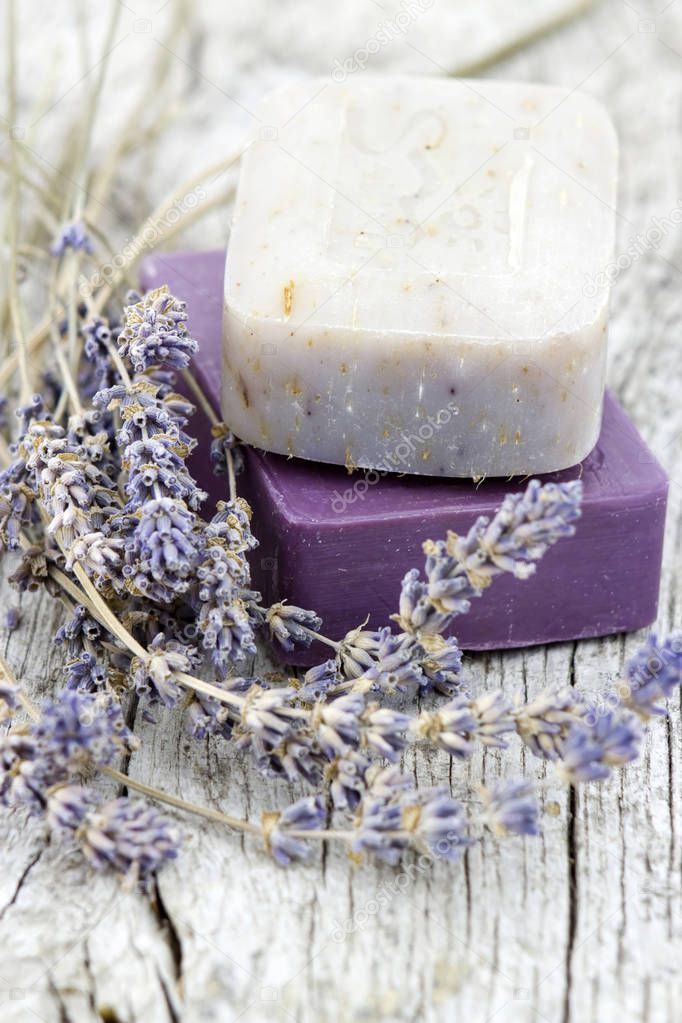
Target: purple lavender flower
x,y
591,751
653,674
17,507
25,774
97,336
153,464
155,331
288,624
81,628
379,827
449,590
297,757
267,716
318,681
347,779
451,727
282,830
436,824
161,551
232,523
383,731
76,492
395,664
520,532
100,555
35,411
141,410
494,718
85,672
155,674
209,716
338,723
511,808
358,652
441,664
222,616
77,729
394,817
68,805
73,236
543,724
455,725
459,568
129,836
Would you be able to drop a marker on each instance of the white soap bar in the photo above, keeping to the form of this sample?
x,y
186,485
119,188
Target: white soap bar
x,y
416,276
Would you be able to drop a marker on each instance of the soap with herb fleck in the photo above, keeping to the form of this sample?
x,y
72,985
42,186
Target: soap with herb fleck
x,y
415,279
341,544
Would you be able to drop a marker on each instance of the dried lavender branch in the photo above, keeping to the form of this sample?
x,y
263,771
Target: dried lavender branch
x,y
13,215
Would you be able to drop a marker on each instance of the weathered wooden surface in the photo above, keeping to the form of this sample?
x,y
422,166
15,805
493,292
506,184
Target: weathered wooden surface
x,y
582,924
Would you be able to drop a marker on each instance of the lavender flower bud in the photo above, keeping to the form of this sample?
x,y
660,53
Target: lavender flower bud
x,y
155,332
132,838
288,625
543,724
155,674
436,824
338,723
267,715
383,731
162,551
451,727
653,674
318,681
395,666
85,673
441,664
591,751
347,779
73,236
280,829
521,531
511,808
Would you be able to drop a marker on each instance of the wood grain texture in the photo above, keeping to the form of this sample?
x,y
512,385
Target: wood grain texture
x,y
583,924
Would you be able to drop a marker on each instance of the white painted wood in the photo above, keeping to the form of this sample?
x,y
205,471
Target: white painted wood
x,y
582,924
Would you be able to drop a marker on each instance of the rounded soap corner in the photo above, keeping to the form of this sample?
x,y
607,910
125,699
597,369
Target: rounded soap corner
x,y
268,102
603,114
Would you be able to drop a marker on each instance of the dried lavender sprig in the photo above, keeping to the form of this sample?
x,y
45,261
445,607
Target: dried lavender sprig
x,y
460,568
122,834
591,750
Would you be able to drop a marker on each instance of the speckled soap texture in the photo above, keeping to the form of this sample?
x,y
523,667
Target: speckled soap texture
x,y
340,544
416,276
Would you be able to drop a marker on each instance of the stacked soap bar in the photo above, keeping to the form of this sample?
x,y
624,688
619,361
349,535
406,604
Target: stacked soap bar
x,y
422,259
340,544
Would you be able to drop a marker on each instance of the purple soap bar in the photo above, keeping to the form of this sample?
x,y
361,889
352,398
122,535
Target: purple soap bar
x,y
341,544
